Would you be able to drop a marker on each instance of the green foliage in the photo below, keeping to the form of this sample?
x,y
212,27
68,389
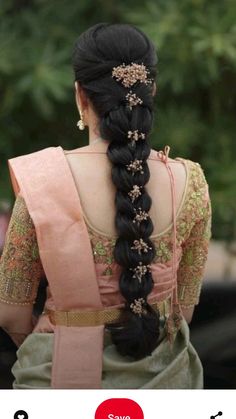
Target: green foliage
x,y
196,98
196,95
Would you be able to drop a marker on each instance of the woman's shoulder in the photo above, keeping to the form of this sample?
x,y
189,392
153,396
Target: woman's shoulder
x,y
197,201
35,162
196,177
194,168
197,196
195,172
166,155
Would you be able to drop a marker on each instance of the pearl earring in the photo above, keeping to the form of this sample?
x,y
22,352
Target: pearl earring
x,y
80,123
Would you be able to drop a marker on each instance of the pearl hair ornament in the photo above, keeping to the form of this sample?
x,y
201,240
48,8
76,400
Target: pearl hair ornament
x,y
140,271
135,192
137,306
133,100
140,215
141,246
135,166
131,73
134,136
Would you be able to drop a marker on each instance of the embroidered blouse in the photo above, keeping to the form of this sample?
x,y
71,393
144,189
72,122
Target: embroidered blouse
x,y
21,267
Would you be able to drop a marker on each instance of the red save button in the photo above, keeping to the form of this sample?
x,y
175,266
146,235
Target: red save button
x,y
119,409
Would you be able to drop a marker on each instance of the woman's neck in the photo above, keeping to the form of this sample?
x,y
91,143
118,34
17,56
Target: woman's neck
x,y
95,139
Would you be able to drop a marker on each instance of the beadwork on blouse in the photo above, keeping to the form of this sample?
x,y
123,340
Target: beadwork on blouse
x,y
21,267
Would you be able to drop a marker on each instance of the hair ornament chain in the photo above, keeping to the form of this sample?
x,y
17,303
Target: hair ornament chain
x,y
141,246
140,215
135,166
133,99
138,306
140,271
135,192
131,73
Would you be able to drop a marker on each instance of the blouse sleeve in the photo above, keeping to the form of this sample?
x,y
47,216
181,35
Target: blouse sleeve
x,y
195,247
20,264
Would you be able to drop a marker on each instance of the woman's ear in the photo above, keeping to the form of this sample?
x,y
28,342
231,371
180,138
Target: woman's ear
x,y
154,90
77,95
80,97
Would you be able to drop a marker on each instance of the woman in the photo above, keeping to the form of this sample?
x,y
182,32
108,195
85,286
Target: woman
x,y
120,230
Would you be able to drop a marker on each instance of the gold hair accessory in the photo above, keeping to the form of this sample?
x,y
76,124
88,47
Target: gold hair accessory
x,y
135,192
137,306
140,271
80,123
141,246
135,136
140,215
135,166
131,73
133,99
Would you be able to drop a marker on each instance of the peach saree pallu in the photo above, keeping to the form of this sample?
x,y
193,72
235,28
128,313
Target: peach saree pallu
x,y
46,184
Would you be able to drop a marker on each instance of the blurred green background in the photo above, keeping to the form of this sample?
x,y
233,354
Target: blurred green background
x,y
196,96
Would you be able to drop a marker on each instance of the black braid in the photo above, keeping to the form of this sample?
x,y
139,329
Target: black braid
x,y
105,46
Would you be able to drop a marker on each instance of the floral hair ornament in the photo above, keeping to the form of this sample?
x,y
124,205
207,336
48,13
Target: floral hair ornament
x,y
131,73
140,271
140,215
135,166
135,136
133,100
138,306
135,192
141,246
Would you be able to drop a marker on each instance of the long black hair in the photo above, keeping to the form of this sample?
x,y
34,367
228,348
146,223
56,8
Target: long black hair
x,y
97,51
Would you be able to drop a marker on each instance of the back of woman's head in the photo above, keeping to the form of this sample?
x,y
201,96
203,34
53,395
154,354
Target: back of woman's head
x,y
123,103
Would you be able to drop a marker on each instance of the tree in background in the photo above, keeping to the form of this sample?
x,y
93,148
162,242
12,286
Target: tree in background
x,y
196,84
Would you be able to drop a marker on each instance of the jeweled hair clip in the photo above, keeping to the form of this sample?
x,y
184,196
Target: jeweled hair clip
x,y
141,246
131,73
135,192
133,99
135,166
140,215
138,306
140,271
135,136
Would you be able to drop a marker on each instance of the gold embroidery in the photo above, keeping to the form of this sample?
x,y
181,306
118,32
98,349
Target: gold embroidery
x,y
163,250
20,266
192,264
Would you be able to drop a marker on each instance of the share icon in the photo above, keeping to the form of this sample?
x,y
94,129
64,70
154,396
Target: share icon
x,y
218,414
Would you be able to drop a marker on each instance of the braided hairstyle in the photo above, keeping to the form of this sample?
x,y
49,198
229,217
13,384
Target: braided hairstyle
x,y
126,125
